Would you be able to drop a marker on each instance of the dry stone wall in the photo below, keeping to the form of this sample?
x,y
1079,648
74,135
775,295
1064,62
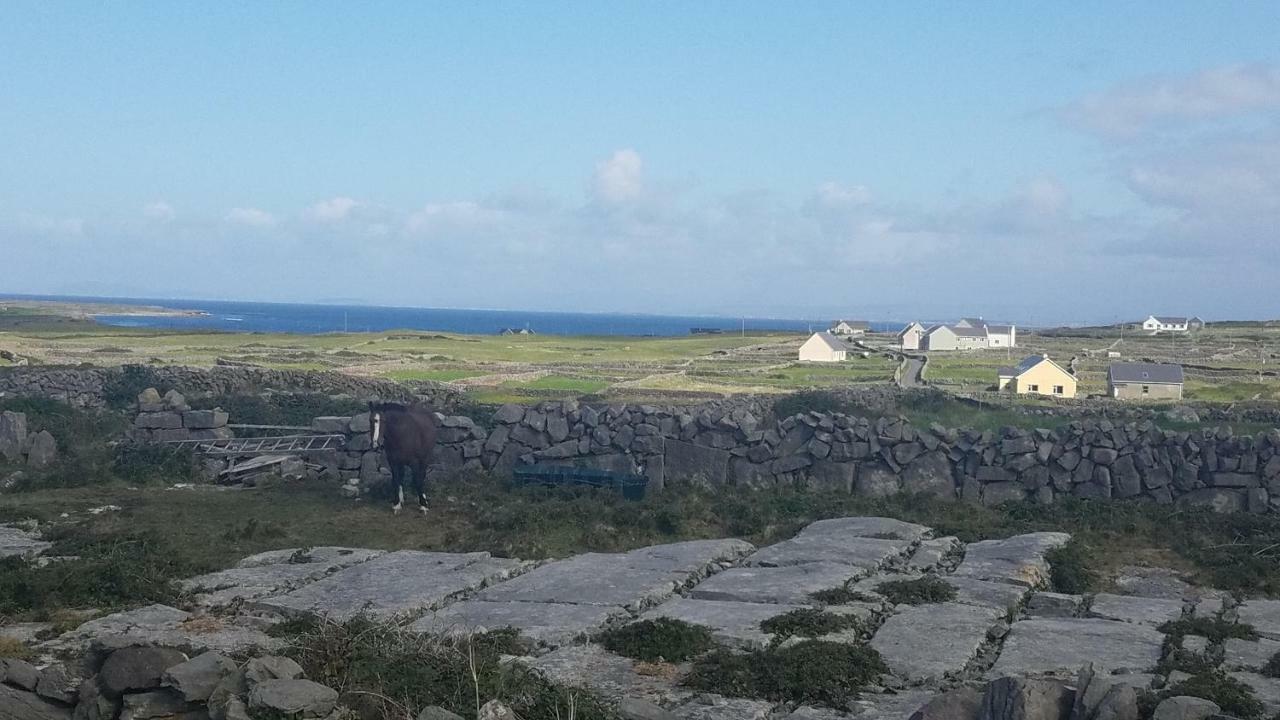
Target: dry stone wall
x,y
741,445
89,387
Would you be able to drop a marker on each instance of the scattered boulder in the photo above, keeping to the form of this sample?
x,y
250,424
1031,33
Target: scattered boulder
x,y
57,682
271,667
637,709
1016,698
300,698
13,435
196,678
964,703
1184,707
18,704
437,713
136,668
43,450
496,710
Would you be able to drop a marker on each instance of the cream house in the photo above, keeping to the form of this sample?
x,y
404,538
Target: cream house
x,y
1037,375
910,336
824,347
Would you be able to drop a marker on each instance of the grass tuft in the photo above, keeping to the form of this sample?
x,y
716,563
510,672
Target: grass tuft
x,y
659,640
382,670
808,623
810,671
921,591
1071,568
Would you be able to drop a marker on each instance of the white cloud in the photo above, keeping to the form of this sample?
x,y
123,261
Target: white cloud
x,y
619,179
332,210
158,210
1217,93
252,217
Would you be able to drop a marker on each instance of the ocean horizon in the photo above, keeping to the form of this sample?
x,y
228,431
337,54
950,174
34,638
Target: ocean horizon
x,y
315,318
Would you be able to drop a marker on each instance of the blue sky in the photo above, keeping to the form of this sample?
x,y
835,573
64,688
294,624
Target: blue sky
x,y
1031,161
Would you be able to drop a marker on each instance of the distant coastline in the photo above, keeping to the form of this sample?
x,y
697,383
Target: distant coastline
x,y
81,309
231,316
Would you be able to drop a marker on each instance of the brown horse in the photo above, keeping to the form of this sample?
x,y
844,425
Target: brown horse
x,y
407,434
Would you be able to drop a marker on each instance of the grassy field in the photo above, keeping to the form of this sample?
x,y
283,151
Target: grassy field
x,y
1232,363
495,368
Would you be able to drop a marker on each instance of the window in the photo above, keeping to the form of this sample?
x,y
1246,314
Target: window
x,y
1033,388
1057,389
1146,389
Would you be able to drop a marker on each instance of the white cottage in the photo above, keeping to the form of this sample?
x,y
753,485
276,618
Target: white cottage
x,y
824,347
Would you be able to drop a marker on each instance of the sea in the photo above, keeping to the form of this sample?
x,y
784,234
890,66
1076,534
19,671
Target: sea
x,y
234,316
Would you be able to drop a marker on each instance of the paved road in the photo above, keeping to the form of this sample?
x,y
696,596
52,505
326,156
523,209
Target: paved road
x,y
911,375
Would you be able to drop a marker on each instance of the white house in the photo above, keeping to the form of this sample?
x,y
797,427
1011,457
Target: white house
x,y
824,347
910,336
850,327
1167,323
999,336
955,337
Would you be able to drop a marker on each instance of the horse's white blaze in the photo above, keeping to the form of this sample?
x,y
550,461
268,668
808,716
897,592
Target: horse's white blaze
x,y
400,501
377,428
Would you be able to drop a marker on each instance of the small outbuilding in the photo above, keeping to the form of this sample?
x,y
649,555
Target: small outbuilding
x,y
1037,375
1145,381
824,347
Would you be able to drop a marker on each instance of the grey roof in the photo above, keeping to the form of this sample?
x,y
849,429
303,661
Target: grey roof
x,y
830,340
856,324
1151,373
910,326
980,331
1027,363
1000,329
974,322
1170,319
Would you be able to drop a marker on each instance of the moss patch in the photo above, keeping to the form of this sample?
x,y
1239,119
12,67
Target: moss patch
x,y
1233,696
808,623
1272,668
657,640
11,648
921,591
811,671
840,596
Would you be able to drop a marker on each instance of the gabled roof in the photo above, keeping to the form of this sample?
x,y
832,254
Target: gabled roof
x,y
831,341
1027,363
1149,373
972,322
912,325
855,324
980,331
1000,329
1170,320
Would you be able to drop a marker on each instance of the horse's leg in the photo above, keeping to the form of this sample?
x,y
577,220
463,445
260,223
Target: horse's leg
x,y
420,484
397,487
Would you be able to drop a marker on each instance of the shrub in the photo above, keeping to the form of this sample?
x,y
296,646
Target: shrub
x,y
12,648
389,672
840,596
110,571
1070,569
1233,696
822,401
1272,668
153,463
120,391
1216,629
807,623
662,639
280,408
811,671
921,591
